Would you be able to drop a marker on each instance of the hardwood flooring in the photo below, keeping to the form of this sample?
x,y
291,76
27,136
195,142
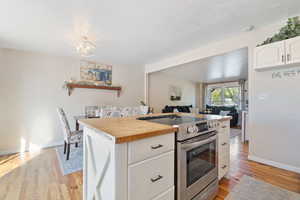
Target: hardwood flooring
x,y
37,176
240,166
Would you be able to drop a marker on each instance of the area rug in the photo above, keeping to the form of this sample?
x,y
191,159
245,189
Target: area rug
x,y
252,189
75,162
234,132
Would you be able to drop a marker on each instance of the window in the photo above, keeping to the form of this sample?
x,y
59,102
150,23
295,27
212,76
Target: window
x,y
216,96
231,96
223,95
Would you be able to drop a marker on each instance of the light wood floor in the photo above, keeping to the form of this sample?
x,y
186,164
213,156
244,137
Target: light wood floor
x,y
37,176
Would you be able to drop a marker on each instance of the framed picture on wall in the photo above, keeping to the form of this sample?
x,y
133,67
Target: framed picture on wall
x,y
175,93
95,72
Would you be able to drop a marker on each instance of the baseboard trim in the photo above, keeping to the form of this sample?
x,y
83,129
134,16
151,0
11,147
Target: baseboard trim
x,y
55,144
274,164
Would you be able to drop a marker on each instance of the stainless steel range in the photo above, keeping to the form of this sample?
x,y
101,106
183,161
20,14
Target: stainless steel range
x,y
197,156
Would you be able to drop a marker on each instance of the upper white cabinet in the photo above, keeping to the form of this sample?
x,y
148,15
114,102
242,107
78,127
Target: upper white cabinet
x,y
293,50
277,54
269,55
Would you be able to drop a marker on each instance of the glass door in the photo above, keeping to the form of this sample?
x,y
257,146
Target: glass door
x,y
200,161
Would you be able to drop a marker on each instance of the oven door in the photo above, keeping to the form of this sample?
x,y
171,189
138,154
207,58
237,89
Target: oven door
x,y
197,165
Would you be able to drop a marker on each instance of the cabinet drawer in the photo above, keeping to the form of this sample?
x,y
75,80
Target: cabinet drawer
x,y
224,156
151,177
224,163
168,195
224,149
150,147
223,138
225,125
223,171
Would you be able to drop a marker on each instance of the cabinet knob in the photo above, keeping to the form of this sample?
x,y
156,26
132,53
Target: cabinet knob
x,y
283,58
289,57
224,167
157,146
225,143
153,180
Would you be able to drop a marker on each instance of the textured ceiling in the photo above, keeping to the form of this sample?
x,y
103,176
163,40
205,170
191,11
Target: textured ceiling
x,y
132,31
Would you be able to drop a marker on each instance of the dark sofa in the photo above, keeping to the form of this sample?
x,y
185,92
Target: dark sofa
x,y
170,109
215,110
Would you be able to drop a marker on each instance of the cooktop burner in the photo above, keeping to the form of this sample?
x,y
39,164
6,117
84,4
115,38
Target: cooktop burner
x,y
171,119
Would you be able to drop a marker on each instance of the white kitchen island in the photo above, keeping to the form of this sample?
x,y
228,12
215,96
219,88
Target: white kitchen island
x,y
136,169
129,159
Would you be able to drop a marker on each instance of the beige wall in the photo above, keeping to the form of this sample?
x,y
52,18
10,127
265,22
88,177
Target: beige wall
x,y
159,84
274,126
31,90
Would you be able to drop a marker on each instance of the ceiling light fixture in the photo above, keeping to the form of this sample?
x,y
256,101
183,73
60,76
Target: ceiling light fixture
x,y
85,47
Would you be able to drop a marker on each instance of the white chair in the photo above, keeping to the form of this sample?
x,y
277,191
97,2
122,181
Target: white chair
x,y
136,111
115,113
110,112
91,111
70,137
105,112
144,110
126,112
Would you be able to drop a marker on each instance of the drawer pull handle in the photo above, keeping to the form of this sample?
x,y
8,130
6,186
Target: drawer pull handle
x,y
157,146
224,167
225,143
224,126
156,179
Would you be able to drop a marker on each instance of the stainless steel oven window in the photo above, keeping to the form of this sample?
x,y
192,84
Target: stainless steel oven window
x,y
200,161
185,192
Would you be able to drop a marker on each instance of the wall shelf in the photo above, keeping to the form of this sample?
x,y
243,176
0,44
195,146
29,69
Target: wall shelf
x,y
72,86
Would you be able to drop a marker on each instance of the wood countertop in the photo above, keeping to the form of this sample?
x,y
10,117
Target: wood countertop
x,y
128,129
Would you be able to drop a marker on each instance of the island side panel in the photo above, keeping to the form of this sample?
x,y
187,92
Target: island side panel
x,y
103,174
121,169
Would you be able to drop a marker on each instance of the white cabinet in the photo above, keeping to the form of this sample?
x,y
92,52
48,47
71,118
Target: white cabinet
x,y
293,50
281,53
143,169
150,147
151,168
224,148
151,177
168,195
269,55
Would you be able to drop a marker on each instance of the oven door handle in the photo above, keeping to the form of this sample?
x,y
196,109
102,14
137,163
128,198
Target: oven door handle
x,y
197,142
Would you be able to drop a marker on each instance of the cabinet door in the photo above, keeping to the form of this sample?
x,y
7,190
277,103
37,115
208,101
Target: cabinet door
x,y
293,50
269,55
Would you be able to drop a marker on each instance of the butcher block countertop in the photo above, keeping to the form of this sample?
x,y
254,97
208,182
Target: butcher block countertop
x,y
128,129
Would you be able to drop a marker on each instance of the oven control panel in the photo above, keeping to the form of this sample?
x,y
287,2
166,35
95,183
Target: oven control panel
x,y
192,129
195,129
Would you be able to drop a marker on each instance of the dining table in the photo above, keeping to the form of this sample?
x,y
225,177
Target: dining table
x,y
80,117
